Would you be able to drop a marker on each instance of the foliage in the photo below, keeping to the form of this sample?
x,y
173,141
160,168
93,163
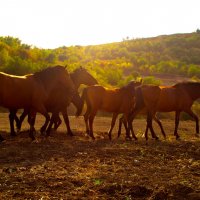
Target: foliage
x,y
152,80
112,64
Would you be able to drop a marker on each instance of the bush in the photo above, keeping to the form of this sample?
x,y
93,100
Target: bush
x,y
152,80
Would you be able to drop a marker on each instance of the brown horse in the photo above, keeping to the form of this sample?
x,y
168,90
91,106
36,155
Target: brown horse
x,y
79,76
54,103
178,98
31,91
116,101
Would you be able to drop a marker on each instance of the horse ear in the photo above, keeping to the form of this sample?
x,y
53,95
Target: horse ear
x,y
141,80
65,66
81,67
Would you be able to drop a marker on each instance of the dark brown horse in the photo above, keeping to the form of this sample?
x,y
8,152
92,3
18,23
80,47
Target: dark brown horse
x,y
79,76
178,98
31,91
116,101
55,104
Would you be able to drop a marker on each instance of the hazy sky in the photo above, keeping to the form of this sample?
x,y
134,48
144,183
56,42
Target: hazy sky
x,y
54,23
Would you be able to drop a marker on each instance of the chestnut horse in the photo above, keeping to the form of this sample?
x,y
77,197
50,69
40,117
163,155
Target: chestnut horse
x,y
178,98
55,105
31,91
115,101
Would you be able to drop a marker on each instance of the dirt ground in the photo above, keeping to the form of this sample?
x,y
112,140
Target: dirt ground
x,y
63,167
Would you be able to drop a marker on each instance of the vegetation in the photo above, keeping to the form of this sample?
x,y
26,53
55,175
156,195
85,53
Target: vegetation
x,y
112,64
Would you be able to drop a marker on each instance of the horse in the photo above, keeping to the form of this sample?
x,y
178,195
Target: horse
x,y
115,101
54,103
79,76
31,91
178,98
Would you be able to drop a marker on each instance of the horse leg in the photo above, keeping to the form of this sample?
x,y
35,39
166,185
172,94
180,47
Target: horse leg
x,y
53,119
66,119
147,126
21,119
57,122
86,119
44,112
31,121
1,138
160,125
194,116
44,127
17,120
177,116
150,126
114,117
12,116
130,119
91,120
121,120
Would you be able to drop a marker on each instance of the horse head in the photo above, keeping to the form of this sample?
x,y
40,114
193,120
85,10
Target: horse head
x,y
82,76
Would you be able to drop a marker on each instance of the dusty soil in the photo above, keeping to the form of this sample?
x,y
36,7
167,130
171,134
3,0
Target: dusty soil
x,y
63,167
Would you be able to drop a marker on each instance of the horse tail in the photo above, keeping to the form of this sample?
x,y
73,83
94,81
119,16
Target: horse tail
x,y
83,99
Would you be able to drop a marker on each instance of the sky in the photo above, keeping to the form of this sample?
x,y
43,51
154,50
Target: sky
x,y
56,23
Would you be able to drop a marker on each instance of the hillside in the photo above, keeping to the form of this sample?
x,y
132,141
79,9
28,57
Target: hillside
x,y
112,64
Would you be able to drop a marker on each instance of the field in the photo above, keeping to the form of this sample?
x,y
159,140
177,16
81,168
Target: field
x,y
63,167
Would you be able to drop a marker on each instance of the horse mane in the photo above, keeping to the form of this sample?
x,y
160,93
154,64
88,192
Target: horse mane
x,y
76,71
3,74
130,85
186,83
129,88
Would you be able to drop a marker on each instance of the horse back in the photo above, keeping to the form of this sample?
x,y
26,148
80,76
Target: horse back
x,y
172,99
14,91
117,100
19,91
147,96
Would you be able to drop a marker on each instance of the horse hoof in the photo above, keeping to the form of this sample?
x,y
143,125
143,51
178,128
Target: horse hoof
x,y
178,138
13,134
136,139
35,141
18,130
2,140
70,134
156,138
93,138
128,138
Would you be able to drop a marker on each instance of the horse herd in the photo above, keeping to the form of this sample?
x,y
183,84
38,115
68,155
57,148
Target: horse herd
x,y
53,89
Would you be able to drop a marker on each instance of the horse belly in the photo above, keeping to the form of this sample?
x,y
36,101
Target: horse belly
x,y
12,101
167,105
109,107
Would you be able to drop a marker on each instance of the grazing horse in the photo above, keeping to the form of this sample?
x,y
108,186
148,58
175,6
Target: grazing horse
x,y
178,98
55,104
31,91
115,101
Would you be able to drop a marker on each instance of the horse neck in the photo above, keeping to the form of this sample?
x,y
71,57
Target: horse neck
x,y
75,80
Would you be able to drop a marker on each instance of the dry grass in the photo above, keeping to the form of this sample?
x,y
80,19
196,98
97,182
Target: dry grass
x,y
62,167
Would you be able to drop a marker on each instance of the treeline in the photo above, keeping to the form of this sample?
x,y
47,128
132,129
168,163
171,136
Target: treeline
x,y
112,64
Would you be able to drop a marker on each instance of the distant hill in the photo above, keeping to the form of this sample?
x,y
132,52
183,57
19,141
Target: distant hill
x,y
162,57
